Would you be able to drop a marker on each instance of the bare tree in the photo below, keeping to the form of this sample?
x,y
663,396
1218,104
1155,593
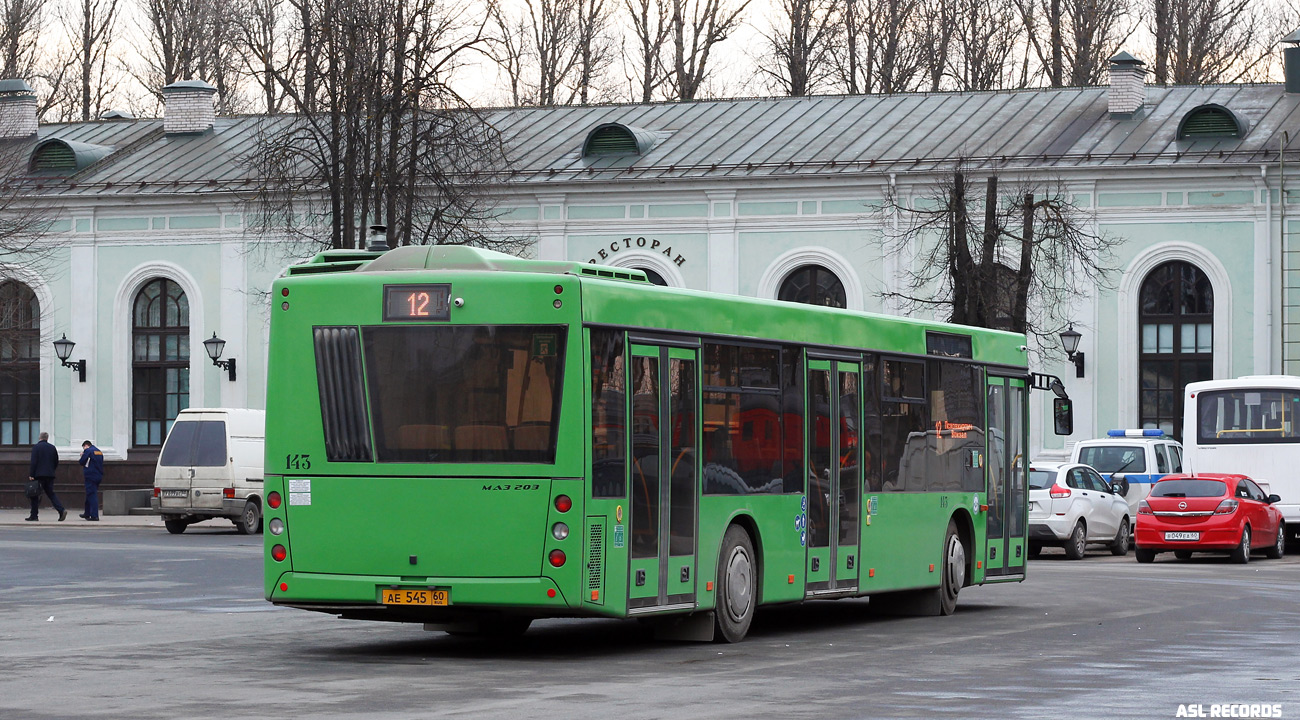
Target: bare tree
x,y
192,39
512,53
20,35
90,26
1208,41
650,25
1072,39
937,21
985,37
595,48
25,244
697,27
389,142
882,46
264,47
1015,265
799,45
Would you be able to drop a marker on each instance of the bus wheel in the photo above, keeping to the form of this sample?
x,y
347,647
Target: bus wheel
x,y
954,570
737,586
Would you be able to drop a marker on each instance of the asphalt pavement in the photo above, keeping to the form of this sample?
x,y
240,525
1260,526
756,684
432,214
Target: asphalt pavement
x,y
120,619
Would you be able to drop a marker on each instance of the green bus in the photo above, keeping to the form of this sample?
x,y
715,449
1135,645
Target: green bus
x,y
470,440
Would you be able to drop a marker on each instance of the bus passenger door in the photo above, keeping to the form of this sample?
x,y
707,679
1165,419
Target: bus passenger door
x,y
664,477
1006,491
834,492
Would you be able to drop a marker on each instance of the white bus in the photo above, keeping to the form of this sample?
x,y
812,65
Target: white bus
x,y
1250,426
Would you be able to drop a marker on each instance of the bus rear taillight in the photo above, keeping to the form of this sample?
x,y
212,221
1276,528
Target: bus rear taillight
x,y
563,503
278,553
273,500
560,531
557,557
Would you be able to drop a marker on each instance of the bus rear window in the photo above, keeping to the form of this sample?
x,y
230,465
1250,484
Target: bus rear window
x,y
461,394
1252,415
1189,488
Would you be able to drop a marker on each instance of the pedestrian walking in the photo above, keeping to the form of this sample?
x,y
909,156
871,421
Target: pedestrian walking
x,y
45,460
92,467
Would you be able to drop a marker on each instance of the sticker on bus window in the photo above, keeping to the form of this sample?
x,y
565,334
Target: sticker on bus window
x,y
544,345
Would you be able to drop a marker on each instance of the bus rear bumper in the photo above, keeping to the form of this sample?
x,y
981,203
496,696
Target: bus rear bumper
x,y
358,595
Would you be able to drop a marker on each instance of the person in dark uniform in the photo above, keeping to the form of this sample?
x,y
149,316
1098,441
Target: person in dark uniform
x,y
92,467
45,460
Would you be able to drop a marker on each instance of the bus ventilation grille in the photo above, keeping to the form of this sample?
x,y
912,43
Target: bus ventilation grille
x,y
596,559
342,402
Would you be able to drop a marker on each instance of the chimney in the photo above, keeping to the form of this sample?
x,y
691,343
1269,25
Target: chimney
x,y
1128,89
1291,61
17,110
188,107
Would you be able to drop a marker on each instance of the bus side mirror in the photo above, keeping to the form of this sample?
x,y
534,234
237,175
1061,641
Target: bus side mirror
x,y
1063,412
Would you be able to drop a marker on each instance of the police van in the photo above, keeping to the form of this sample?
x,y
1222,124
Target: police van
x,y
1135,459
211,467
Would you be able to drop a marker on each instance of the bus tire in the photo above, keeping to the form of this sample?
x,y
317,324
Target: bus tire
x,y
737,586
954,570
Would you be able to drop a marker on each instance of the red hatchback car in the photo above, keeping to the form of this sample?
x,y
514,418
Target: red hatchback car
x,y
1208,513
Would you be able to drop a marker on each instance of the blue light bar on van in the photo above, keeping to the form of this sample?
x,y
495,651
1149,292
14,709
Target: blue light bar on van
x,y
1136,433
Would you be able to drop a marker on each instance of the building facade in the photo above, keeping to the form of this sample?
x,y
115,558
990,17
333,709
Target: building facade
x,y
149,254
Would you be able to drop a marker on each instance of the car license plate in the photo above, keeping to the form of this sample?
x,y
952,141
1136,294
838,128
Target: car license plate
x,y
174,493
1182,536
406,596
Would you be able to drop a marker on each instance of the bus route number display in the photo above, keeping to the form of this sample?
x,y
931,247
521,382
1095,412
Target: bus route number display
x,y
417,302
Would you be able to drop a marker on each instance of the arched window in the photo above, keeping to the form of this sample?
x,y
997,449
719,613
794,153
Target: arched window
x,y
160,360
653,276
1176,337
20,365
814,285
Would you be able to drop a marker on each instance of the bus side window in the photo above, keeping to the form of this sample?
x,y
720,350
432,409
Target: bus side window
x,y
1162,460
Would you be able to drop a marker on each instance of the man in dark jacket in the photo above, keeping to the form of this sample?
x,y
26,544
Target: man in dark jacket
x,y
92,467
45,460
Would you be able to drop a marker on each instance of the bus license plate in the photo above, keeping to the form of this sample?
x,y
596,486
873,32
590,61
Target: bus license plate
x,y
1182,536
174,493
406,596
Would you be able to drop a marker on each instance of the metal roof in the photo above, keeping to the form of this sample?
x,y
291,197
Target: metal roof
x,y
735,139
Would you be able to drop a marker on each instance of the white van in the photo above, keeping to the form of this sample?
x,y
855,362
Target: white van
x,y
210,467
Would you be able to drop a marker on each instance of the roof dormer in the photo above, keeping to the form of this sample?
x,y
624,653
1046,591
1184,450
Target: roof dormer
x,y
1210,122
55,156
617,139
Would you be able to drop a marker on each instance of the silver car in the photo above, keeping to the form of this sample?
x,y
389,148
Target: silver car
x,y
1072,506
